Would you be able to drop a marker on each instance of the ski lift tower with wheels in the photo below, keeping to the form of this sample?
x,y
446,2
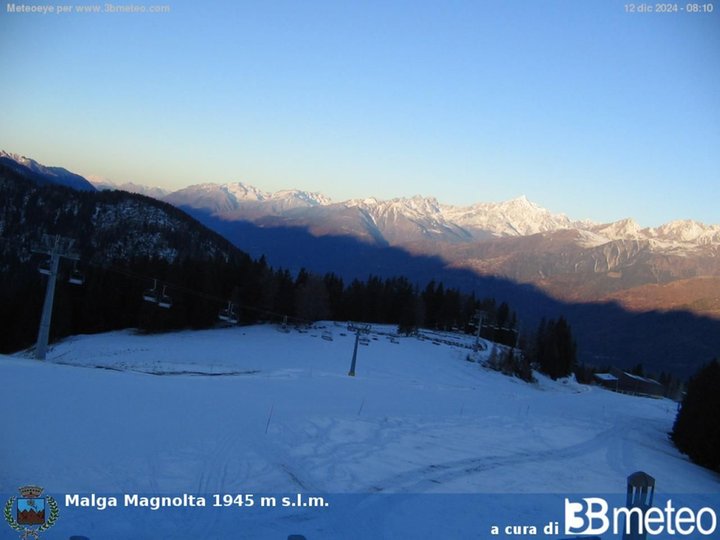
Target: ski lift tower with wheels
x,y
56,248
358,329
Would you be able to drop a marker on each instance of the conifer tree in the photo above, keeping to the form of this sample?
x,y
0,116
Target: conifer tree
x,y
555,348
697,430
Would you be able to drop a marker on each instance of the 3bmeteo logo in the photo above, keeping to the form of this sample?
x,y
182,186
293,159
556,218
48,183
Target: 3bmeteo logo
x,y
593,516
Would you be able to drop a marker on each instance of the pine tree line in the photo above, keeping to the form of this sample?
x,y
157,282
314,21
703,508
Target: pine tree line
x,y
554,350
111,298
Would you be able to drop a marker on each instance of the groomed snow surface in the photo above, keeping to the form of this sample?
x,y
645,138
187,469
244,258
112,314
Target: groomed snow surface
x,y
421,443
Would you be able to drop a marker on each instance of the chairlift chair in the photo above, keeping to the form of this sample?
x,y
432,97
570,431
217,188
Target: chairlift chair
x,y
228,314
164,301
364,341
44,268
327,335
76,277
151,295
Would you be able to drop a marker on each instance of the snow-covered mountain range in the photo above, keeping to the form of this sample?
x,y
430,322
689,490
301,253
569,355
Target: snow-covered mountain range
x,y
673,266
402,220
517,217
242,201
399,220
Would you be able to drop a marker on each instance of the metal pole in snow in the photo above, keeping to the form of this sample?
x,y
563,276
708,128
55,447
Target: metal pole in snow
x,y
44,331
358,329
480,317
354,358
60,248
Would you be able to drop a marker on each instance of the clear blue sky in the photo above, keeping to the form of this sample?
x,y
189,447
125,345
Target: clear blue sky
x,y
584,108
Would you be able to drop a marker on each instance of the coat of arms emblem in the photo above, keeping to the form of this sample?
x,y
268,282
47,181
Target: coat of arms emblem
x,y
30,513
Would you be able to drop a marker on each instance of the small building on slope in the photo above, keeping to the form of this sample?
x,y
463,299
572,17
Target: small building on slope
x,y
627,383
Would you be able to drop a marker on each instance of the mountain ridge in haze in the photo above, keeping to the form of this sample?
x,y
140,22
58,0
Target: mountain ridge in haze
x,y
515,217
572,260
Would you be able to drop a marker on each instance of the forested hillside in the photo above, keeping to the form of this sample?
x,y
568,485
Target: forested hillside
x,y
129,243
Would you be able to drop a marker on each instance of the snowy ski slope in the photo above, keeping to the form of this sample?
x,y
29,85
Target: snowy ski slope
x,y
255,410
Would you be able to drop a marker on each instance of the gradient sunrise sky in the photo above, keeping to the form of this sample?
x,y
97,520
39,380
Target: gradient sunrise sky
x,y
579,105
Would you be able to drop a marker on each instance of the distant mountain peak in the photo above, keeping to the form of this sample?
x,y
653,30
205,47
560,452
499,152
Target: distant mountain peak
x,y
15,157
687,230
238,200
42,174
312,198
242,191
624,228
521,200
28,162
